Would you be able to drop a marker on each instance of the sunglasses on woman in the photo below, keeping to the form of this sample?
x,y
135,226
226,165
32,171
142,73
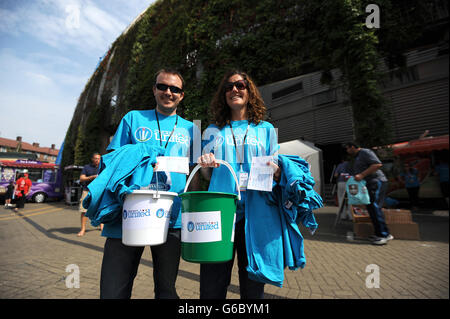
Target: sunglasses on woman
x,y
173,89
240,85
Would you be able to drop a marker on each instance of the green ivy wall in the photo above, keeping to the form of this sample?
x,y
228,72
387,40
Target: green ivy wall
x,y
270,40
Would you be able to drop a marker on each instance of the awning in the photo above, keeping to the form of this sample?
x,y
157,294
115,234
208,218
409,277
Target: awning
x,y
27,165
424,145
73,167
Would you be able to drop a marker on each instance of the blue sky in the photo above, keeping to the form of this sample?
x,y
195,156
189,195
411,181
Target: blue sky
x,y
48,51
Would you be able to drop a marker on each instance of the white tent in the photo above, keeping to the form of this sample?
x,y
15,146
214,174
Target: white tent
x,y
309,153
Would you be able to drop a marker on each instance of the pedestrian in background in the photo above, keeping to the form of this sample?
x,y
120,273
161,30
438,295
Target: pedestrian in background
x,y
341,174
88,174
442,171
21,190
9,193
366,165
410,177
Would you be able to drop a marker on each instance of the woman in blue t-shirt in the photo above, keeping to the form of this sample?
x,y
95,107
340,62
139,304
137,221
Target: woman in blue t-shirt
x,y
237,134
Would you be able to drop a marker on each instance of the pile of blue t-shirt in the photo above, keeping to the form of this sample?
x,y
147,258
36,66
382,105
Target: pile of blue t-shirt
x,y
120,172
273,238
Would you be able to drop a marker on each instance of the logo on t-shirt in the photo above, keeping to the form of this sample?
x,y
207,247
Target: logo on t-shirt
x,y
143,134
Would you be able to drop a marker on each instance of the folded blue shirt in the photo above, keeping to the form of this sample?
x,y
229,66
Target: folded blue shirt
x,y
120,172
273,239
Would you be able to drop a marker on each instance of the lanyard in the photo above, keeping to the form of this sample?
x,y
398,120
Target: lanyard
x,y
159,128
243,145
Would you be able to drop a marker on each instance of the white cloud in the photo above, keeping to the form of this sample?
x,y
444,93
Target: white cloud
x,y
40,79
102,20
64,24
34,99
35,73
9,22
50,51
42,120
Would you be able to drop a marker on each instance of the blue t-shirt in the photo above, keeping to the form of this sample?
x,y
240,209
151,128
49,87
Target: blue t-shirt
x,y
342,172
88,170
442,170
411,178
261,140
142,127
365,158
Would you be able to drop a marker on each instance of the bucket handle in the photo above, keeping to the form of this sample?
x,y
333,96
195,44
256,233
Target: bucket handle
x,y
196,168
156,195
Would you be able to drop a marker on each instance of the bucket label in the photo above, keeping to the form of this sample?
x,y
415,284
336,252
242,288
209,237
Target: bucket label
x,y
144,218
201,227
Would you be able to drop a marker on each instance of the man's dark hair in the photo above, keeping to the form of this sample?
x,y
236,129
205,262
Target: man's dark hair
x,y
350,144
170,71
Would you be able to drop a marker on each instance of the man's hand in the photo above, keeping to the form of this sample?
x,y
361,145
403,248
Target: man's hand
x,y
370,170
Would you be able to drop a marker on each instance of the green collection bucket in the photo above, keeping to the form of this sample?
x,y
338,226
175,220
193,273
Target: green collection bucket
x,y
208,218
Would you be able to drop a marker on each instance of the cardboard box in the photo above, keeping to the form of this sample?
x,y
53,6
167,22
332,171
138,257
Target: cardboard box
x,y
399,222
360,214
392,216
399,231
397,216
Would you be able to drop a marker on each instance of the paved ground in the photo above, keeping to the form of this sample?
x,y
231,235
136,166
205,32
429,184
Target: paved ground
x,y
40,243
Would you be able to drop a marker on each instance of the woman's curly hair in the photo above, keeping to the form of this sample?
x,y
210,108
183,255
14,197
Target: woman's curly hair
x,y
221,112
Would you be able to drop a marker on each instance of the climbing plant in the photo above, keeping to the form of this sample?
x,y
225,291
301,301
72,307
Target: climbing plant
x,y
271,40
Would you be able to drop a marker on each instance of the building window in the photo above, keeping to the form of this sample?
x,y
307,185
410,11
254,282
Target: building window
x,y
401,76
287,90
325,97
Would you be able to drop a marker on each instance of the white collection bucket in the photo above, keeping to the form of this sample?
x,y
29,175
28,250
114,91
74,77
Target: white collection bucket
x,y
145,217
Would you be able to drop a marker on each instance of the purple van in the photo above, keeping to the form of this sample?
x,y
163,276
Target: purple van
x,y
46,178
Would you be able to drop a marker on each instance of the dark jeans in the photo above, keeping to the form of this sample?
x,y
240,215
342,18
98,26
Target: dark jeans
x,y
377,192
215,278
413,193
444,188
20,201
121,262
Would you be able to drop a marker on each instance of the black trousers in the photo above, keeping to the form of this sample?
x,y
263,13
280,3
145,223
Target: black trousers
x,y
413,193
20,201
215,278
120,265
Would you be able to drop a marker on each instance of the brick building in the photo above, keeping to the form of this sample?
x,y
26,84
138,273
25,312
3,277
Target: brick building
x,y
15,149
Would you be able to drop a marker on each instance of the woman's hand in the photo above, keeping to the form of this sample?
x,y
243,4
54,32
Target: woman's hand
x,y
208,160
276,171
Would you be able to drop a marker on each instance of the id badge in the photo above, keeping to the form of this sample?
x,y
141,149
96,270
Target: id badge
x,y
243,181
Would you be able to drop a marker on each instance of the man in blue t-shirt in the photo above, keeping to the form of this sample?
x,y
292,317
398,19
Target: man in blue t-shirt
x,y
410,177
441,170
162,127
366,165
88,174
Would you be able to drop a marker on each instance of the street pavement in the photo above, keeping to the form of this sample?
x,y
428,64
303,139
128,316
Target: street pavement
x,y
41,256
